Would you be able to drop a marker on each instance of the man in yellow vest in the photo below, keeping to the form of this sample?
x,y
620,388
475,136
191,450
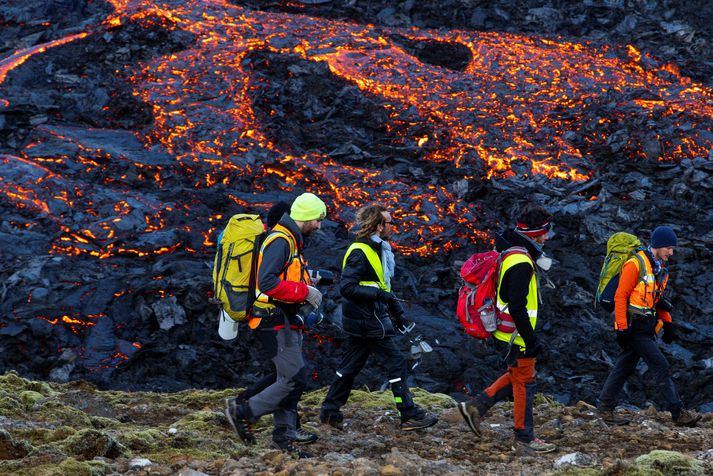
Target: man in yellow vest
x,y
371,316
517,302
638,308
282,286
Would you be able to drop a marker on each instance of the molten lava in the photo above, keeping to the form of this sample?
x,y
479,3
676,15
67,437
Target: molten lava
x,y
518,101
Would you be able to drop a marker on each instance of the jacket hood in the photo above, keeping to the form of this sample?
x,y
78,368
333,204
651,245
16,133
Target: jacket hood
x,y
510,237
290,224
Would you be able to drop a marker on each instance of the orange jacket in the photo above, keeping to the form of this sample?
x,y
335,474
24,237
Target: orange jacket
x,y
628,283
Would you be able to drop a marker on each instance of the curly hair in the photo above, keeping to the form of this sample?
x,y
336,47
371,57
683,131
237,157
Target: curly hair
x,y
368,220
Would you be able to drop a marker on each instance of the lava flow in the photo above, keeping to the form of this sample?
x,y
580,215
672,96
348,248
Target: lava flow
x,y
520,106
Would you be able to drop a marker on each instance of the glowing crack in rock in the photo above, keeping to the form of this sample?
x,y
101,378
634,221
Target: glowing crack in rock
x,y
519,100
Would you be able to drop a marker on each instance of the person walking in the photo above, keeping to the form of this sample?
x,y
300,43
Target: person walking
x,y
371,316
298,434
515,337
282,286
639,306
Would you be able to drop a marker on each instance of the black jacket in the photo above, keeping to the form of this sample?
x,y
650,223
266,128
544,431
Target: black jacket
x,y
275,258
364,315
516,283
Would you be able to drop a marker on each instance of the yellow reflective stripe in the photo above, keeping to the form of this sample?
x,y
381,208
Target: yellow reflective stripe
x,y
373,284
531,305
374,260
272,236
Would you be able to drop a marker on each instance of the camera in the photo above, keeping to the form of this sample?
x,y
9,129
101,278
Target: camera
x,y
321,276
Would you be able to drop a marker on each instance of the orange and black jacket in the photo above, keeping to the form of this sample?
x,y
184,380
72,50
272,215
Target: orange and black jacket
x,y
285,294
632,290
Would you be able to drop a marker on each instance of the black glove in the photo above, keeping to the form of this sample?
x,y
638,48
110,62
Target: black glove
x,y
535,349
385,296
396,310
669,332
623,338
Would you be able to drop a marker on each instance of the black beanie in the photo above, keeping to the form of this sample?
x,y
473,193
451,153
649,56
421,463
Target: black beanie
x,y
276,212
663,237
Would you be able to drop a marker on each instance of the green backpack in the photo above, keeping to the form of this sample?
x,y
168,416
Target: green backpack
x,y
621,246
235,265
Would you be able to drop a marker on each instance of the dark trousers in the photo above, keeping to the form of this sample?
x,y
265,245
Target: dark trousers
x,y
642,346
280,396
260,385
519,383
358,350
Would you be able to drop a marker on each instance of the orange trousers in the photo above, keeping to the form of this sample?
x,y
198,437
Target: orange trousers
x,y
519,383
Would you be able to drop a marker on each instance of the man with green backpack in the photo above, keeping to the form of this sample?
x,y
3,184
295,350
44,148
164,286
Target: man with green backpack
x,y
639,311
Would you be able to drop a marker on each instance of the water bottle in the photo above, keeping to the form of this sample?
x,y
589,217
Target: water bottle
x,y
487,315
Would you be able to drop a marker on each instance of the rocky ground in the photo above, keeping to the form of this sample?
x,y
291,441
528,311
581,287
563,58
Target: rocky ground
x,y
75,429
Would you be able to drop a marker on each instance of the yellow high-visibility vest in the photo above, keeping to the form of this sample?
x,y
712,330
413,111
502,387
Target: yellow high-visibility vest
x,y
374,260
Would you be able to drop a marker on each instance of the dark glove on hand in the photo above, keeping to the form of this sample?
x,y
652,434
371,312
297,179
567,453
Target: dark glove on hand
x,y
396,310
385,296
623,338
535,349
669,332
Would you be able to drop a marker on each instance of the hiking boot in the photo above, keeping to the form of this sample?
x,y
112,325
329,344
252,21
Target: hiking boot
x,y
612,419
332,419
418,422
237,417
471,415
687,418
305,437
288,447
536,446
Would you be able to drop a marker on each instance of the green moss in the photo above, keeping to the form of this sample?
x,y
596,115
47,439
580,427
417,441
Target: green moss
x,y
29,397
578,472
315,398
53,410
199,398
89,443
432,401
622,468
72,467
542,399
670,463
143,440
10,406
12,382
203,421
103,422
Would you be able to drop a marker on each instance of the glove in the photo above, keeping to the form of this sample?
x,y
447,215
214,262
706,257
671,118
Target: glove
x,y
321,276
669,332
396,310
314,297
385,296
536,350
623,338
313,319
404,326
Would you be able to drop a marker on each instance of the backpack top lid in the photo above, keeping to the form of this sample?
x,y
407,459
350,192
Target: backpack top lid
x,y
620,247
622,243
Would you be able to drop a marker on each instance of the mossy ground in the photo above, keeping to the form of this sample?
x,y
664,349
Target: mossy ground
x,y
74,429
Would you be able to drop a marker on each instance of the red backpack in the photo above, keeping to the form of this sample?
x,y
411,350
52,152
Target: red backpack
x,y
477,299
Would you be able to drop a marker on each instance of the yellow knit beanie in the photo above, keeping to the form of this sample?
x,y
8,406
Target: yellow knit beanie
x,y
307,207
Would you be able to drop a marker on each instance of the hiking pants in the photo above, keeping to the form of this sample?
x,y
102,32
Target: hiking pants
x,y
642,346
355,356
284,348
518,382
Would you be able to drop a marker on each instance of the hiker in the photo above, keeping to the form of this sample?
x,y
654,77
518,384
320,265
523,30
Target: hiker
x,y
371,316
297,434
515,337
638,307
282,287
